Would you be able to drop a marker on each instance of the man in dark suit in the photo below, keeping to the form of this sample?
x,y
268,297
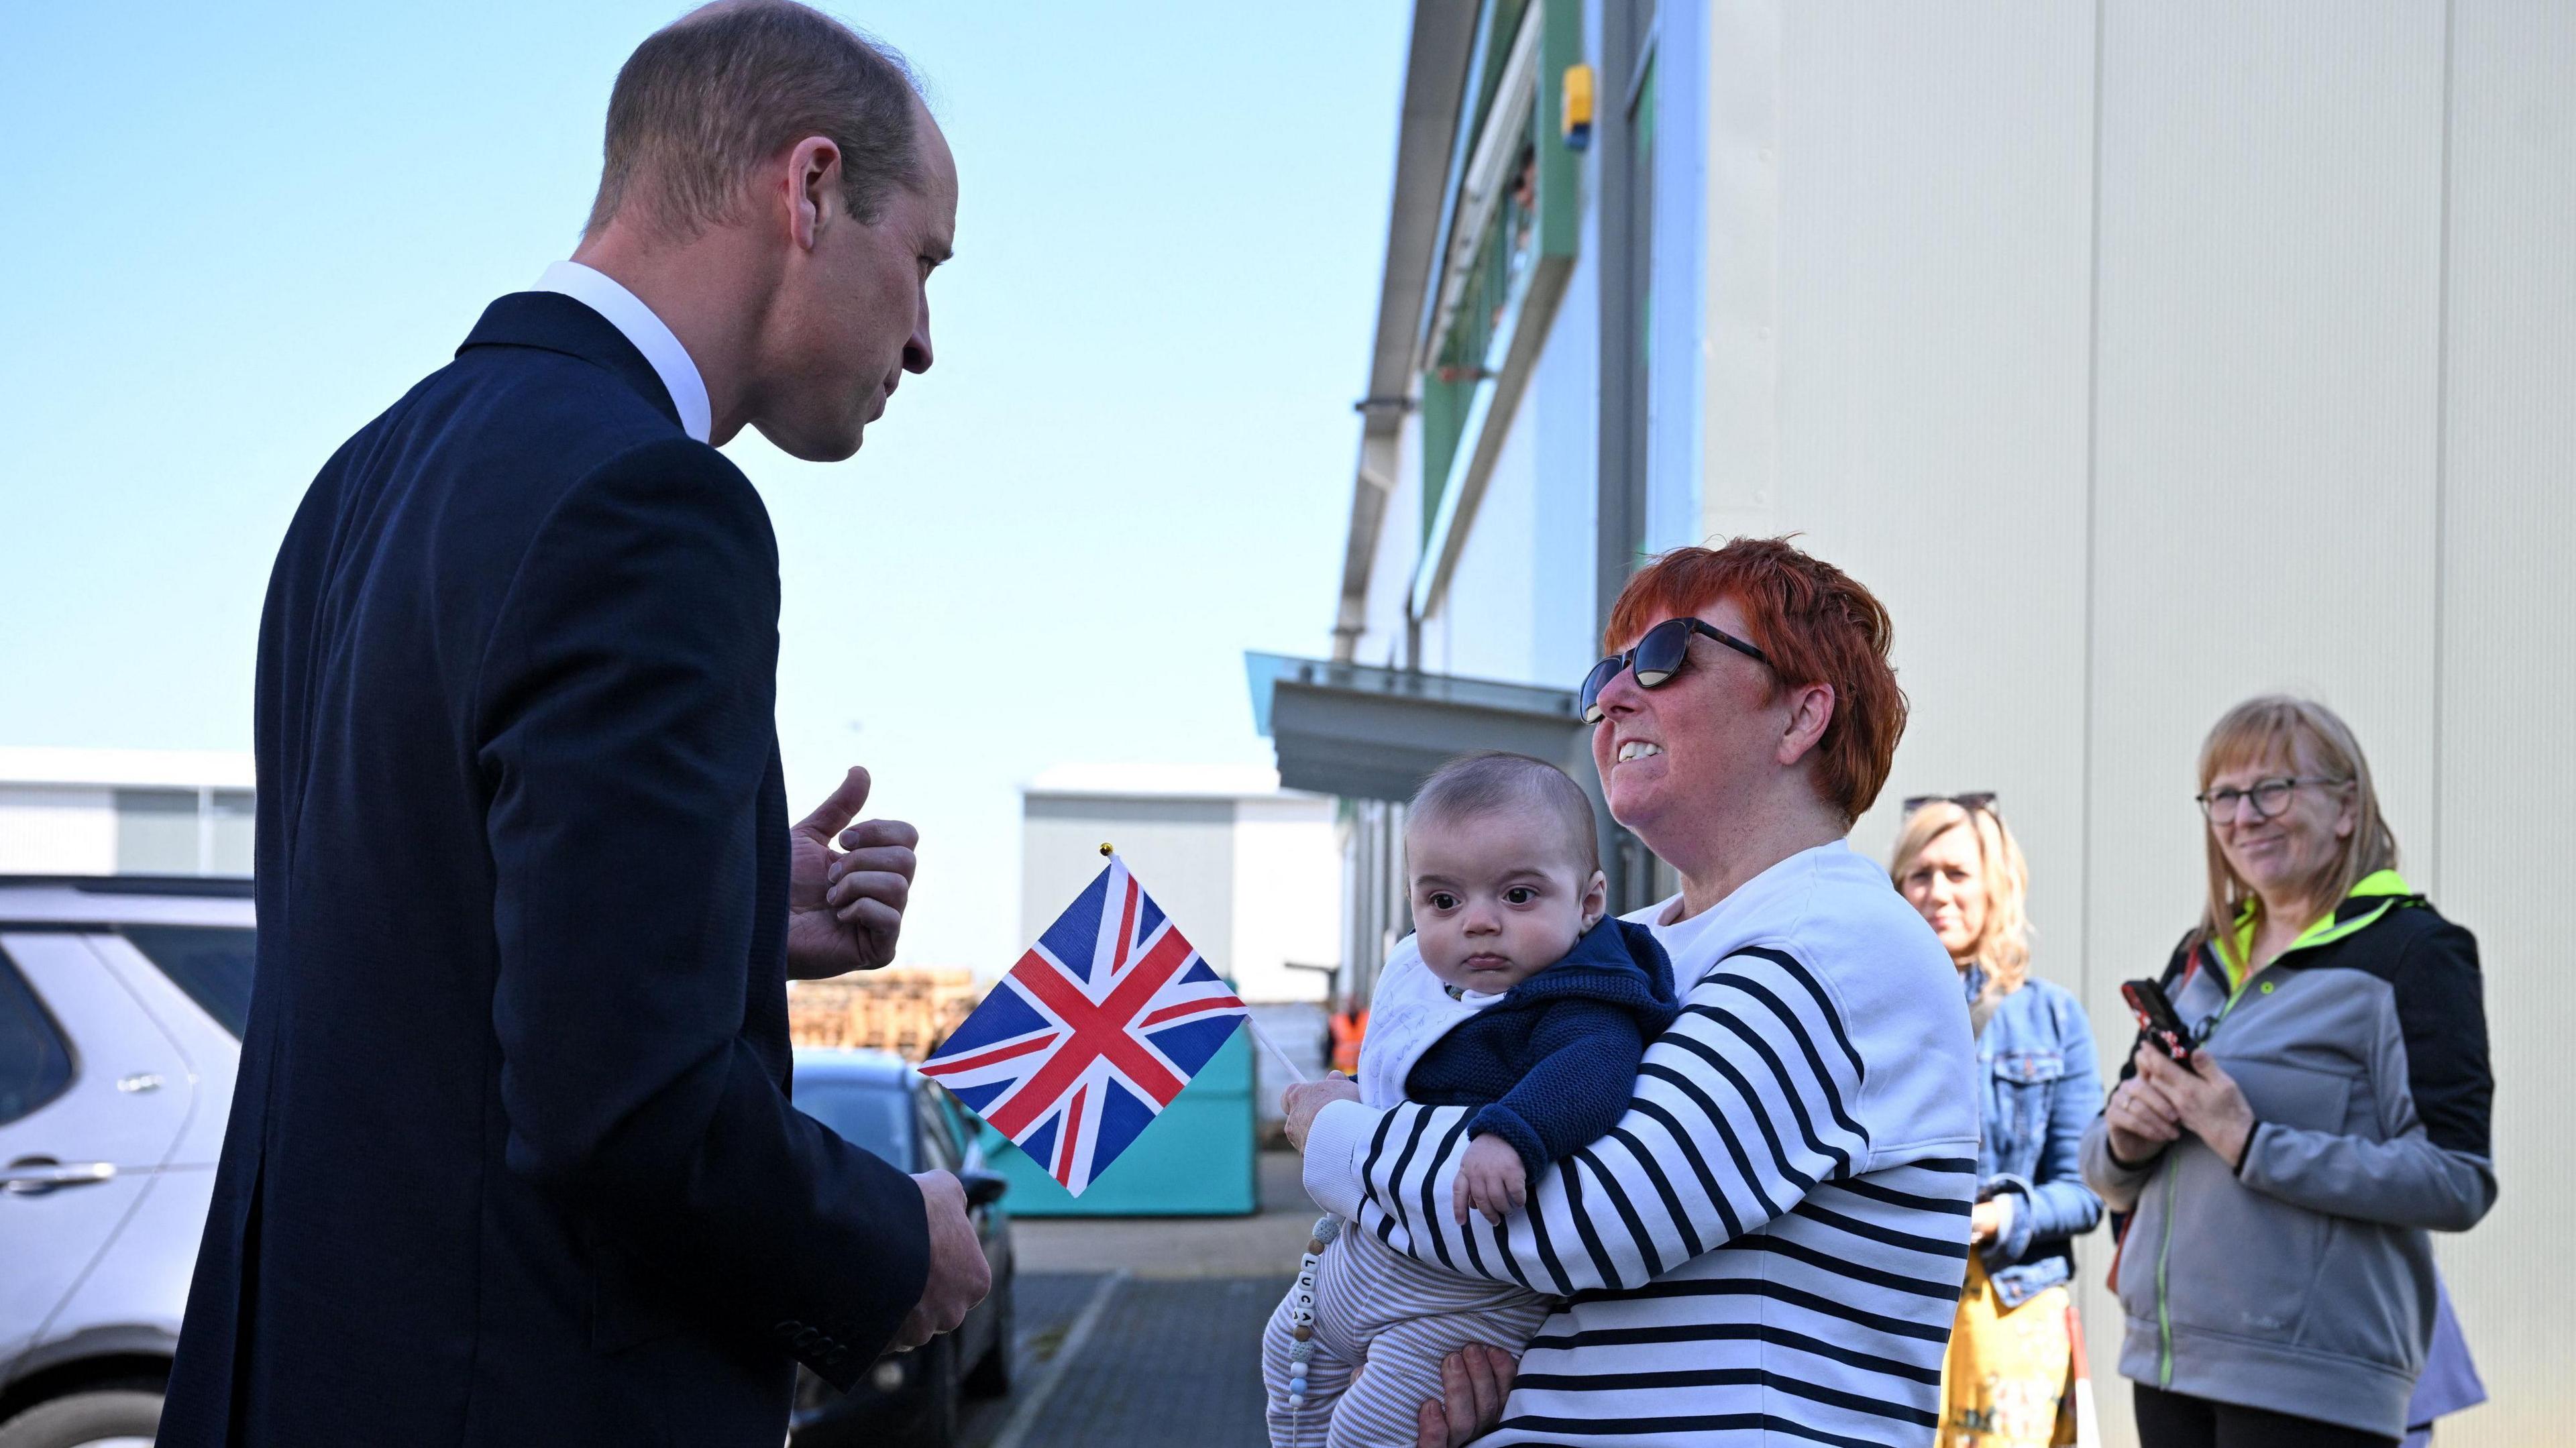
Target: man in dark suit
x,y
511,1157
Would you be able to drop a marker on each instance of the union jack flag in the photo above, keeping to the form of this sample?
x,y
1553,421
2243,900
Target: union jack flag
x,y
1092,1034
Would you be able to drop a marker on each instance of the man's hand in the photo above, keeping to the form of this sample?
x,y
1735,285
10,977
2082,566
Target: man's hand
x,y
2207,1101
1474,1380
959,1275
1490,1180
1301,1101
844,910
2141,1118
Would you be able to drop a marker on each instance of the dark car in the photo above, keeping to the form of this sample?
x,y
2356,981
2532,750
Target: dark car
x,y
874,1100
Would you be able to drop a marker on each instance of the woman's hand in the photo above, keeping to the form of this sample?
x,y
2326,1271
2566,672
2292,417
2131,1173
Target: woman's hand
x,y
2207,1102
1301,1101
1474,1381
2142,1118
1990,1219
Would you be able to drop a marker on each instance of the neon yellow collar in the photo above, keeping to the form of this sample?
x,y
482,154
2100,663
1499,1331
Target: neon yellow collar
x,y
2349,917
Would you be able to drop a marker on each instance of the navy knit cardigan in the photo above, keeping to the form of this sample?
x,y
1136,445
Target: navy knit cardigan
x,y
1554,1062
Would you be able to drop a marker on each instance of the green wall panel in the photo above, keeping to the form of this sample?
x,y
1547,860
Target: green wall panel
x,y
1196,1160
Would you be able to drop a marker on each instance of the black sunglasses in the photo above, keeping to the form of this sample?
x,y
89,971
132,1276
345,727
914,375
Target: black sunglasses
x,y
1657,657
1982,800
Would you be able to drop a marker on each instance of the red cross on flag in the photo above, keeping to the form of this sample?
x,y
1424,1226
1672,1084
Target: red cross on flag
x,y
1092,1034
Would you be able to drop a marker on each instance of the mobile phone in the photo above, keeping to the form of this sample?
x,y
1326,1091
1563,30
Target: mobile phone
x,y
2157,1018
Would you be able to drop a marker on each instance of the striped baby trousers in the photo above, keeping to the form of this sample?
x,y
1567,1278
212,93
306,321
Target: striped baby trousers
x,y
1383,1322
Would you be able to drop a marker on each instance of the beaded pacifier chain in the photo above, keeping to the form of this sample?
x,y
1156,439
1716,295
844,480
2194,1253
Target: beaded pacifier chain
x,y
1302,1310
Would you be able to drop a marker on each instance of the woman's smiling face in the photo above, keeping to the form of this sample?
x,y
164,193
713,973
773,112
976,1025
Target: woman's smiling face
x,y
2281,854
1685,750
1947,885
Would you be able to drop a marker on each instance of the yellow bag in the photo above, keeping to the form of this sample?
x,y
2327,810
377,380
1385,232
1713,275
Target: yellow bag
x,y
2009,1372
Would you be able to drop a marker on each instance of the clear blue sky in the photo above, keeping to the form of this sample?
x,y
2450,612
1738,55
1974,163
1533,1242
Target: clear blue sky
x,y
232,235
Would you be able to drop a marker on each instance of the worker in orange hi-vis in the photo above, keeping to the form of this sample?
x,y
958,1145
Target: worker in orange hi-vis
x,y
1349,1024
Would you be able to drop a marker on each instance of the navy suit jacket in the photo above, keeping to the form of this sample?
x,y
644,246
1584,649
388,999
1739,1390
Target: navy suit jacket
x,y
511,1158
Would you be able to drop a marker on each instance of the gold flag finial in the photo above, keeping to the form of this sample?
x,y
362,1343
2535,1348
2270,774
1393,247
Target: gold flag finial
x,y
1105,849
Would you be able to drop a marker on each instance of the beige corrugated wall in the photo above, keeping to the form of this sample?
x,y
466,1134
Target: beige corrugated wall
x,y
2506,785
2149,355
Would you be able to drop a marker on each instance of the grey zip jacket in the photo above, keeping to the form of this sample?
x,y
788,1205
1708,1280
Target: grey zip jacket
x,y
2302,1280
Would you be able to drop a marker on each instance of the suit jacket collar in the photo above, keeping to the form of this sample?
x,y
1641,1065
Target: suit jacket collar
x,y
554,322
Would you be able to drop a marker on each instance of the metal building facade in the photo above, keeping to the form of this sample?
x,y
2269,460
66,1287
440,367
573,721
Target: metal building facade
x,y
2143,357
2148,356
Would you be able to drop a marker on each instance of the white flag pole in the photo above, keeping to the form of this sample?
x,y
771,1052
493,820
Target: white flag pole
x,y
1109,851
1272,1046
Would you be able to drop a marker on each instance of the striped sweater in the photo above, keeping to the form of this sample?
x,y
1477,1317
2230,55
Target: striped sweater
x,y
1769,1246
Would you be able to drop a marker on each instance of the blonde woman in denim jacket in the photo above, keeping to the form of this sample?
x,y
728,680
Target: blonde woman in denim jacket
x,y
2007,1370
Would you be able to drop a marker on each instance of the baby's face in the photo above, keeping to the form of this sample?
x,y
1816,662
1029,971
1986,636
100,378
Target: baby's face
x,y
1497,897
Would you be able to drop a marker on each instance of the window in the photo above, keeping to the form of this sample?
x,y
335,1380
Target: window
x,y
1474,296
35,1061
1640,306
184,831
156,832
231,813
1508,231
1503,258
212,964
871,1116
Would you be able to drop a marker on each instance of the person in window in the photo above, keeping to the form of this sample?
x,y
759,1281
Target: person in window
x,y
2008,1367
2277,1275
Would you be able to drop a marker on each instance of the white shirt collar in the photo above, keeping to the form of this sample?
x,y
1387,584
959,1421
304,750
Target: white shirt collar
x,y
626,312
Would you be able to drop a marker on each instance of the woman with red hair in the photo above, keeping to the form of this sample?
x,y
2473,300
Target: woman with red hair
x,y
1774,1236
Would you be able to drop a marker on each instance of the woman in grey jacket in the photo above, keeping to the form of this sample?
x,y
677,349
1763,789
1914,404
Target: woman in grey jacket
x,y
2276,1274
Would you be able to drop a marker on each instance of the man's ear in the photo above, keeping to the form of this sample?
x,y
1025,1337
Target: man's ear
x,y
813,189
1811,708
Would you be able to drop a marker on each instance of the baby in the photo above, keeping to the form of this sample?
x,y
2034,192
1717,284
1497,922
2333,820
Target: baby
x,y
1540,1017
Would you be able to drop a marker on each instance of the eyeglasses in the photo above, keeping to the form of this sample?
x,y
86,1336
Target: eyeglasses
x,y
2269,796
1982,800
1657,657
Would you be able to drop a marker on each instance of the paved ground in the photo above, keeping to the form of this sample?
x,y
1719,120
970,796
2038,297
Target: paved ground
x,y
1147,1331
1167,1360
1264,1245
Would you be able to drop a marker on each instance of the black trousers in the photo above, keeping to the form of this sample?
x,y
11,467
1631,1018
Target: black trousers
x,y
2171,1420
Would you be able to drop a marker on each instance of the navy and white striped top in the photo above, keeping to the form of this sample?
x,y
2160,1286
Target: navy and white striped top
x,y
1769,1247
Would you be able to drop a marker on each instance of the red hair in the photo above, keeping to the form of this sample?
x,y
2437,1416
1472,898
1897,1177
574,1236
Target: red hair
x,y
1817,624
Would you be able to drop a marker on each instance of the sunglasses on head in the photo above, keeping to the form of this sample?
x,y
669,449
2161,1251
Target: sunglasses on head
x,y
1656,658
1982,800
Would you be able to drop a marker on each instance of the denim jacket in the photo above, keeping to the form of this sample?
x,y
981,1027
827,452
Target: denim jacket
x,y
2041,1088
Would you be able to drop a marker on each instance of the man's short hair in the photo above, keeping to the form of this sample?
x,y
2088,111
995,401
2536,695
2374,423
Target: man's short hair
x,y
1817,624
1486,783
712,95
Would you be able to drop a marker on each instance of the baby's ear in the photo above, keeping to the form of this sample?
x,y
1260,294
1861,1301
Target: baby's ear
x,y
1596,900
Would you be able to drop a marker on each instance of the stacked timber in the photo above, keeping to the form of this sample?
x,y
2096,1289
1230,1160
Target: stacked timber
x,y
905,1009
